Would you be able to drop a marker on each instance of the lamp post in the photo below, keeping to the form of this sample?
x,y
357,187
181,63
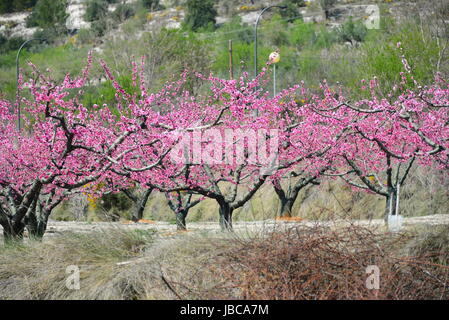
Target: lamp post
x,y
255,34
274,58
17,78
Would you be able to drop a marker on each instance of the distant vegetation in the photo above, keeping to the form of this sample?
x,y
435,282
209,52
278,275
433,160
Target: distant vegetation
x,y
310,51
50,16
9,6
200,14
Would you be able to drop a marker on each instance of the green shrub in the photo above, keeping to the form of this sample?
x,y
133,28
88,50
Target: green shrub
x,y
324,38
6,6
382,59
242,52
135,25
96,10
9,6
85,36
200,14
291,13
302,34
151,4
48,14
274,32
123,12
21,5
10,44
235,30
327,5
47,36
99,27
352,31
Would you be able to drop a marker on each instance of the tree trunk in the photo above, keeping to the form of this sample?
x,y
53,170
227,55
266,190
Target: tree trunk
x,y
181,216
41,228
36,221
285,207
286,199
14,226
390,203
13,232
181,207
36,229
225,216
140,205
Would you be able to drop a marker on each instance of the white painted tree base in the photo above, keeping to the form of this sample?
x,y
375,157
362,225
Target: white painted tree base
x,y
395,223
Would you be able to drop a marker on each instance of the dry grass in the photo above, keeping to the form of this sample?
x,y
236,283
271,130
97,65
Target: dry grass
x,y
37,270
300,263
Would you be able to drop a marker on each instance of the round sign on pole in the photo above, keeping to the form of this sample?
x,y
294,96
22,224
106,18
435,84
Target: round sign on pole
x,y
275,57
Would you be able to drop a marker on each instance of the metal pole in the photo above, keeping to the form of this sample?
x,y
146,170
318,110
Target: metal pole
x,y
255,35
274,80
17,80
231,67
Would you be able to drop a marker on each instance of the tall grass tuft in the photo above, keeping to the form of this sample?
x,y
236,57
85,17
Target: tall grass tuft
x,y
37,270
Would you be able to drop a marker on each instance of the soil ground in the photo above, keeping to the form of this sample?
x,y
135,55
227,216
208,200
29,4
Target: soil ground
x,y
167,229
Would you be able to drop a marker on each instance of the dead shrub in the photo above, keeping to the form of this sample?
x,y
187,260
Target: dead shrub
x,y
324,263
433,243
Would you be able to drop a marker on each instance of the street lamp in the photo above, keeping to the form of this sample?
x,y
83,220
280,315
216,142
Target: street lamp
x,y
17,78
274,58
255,34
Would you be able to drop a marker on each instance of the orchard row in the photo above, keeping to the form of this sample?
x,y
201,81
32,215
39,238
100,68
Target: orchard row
x,y
65,148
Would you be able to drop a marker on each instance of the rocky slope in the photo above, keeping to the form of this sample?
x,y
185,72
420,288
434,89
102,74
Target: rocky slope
x,y
171,17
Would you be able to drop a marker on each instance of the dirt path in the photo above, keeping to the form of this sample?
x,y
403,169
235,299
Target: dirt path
x,y
165,228
61,226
